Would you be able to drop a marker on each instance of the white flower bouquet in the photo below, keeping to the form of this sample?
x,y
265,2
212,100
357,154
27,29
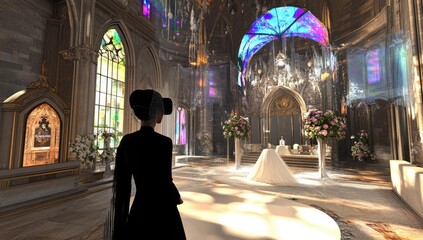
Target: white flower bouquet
x,y
85,149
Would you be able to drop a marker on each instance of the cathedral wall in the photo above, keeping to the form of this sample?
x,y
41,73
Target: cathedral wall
x,y
353,14
148,57
23,32
412,19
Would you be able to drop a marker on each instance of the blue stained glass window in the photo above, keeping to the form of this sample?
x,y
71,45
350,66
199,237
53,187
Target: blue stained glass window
x,y
281,23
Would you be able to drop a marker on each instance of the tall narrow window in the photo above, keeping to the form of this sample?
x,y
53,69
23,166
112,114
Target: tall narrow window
x,y
146,8
110,88
180,129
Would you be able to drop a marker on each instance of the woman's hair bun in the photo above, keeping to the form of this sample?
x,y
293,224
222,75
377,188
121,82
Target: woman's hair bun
x,y
167,106
146,103
141,112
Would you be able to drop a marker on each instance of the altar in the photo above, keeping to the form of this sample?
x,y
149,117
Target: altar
x,y
282,150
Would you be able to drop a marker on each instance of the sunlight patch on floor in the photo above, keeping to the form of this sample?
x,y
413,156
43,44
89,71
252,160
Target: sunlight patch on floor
x,y
253,215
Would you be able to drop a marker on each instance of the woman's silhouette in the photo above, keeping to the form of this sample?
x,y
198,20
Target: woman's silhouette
x,y
147,157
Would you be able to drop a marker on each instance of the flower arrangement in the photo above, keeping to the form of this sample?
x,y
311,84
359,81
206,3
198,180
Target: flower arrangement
x,y
361,149
108,154
324,125
236,126
85,149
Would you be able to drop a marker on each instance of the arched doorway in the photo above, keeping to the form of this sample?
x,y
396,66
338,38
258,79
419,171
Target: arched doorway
x,y
283,109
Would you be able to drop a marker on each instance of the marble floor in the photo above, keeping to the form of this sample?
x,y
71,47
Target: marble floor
x,y
222,204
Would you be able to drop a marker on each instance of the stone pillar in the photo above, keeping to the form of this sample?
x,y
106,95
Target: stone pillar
x,y
415,19
83,89
84,73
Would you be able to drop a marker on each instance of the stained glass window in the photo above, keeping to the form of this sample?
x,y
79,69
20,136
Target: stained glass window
x,y
110,88
180,127
279,23
146,8
374,68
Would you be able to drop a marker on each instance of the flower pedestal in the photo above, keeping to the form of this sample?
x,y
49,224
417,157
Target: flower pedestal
x,y
323,125
237,127
238,153
321,145
107,171
86,172
108,154
227,150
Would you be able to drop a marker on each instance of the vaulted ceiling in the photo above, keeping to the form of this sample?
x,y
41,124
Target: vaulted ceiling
x,y
226,21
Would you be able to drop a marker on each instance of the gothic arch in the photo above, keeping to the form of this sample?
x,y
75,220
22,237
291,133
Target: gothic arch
x,y
149,59
276,92
146,82
73,22
16,110
128,45
127,41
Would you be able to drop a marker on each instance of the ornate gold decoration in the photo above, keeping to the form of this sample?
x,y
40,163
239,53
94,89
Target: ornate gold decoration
x,y
42,81
285,105
42,136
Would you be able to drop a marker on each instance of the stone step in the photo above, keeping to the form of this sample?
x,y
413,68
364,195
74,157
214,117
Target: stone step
x,y
292,160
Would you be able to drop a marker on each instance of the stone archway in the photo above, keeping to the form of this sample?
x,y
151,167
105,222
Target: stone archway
x,y
283,109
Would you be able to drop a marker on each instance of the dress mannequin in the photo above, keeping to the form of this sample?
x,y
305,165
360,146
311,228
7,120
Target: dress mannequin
x,y
282,141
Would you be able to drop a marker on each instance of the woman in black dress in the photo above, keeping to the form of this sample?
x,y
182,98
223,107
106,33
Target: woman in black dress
x,y
147,157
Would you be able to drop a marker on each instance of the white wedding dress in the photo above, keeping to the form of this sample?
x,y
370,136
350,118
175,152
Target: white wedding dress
x,y
270,168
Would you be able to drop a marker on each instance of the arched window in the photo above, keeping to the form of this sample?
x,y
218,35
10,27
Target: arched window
x,y
110,88
181,126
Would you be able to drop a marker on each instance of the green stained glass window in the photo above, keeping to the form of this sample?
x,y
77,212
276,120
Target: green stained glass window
x,y
110,88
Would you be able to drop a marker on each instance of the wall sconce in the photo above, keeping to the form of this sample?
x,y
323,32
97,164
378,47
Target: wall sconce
x,y
309,63
325,76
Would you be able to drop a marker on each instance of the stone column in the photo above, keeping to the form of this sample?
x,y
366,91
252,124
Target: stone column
x,y
83,89
415,19
84,70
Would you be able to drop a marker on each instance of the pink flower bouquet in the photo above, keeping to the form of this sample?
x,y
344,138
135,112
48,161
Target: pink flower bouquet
x,y
324,125
236,126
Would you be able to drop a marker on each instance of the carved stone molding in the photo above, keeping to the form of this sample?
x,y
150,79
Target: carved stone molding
x,y
80,53
68,54
123,3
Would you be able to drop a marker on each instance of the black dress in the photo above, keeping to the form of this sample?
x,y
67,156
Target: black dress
x,y
147,156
